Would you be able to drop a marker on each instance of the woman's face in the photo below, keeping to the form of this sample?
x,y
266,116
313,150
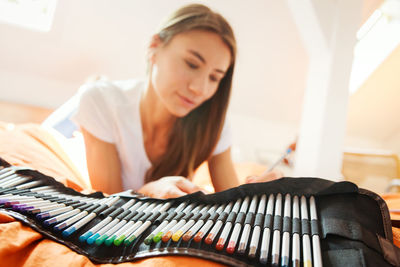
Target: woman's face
x,y
188,69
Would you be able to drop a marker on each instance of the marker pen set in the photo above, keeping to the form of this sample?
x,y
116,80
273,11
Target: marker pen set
x,y
275,229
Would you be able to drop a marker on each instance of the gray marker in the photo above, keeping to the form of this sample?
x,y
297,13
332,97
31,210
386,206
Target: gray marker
x,y
296,236
276,240
248,224
257,228
307,261
286,234
267,230
315,238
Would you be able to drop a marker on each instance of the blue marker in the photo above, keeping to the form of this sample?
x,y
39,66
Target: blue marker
x,y
91,235
104,232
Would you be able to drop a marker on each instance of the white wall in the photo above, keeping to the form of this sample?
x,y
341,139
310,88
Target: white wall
x,y
109,38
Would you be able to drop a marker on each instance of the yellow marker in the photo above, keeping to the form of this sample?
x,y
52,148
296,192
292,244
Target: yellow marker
x,y
177,235
306,238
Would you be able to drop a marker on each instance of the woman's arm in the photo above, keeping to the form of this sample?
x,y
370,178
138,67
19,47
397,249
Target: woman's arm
x,y
223,174
103,164
222,171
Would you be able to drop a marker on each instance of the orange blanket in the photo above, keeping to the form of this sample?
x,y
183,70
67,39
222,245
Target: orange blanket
x,y
31,145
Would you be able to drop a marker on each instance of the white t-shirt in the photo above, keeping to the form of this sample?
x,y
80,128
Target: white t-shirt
x,y
109,110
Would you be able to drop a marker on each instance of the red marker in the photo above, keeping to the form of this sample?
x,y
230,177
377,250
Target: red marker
x,y
227,228
238,226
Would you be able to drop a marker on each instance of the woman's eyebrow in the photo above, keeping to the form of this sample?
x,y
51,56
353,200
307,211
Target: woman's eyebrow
x,y
201,58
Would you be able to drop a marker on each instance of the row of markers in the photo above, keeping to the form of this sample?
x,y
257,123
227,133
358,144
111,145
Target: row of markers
x,y
124,224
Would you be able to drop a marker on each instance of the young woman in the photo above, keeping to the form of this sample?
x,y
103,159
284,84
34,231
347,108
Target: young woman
x,y
152,135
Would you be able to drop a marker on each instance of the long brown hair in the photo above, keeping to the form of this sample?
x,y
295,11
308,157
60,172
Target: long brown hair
x,y
193,138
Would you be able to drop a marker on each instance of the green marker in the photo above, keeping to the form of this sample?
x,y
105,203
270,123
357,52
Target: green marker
x,y
149,239
101,239
145,222
126,223
129,240
159,214
157,237
163,218
116,224
175,216
118,241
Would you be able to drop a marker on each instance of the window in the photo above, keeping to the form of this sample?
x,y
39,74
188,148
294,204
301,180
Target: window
x,y
377,38
32,14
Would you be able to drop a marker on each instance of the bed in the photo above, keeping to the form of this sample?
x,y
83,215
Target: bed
x,y
34,146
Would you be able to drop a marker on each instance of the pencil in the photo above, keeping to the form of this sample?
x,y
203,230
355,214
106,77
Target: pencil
x,y
287,152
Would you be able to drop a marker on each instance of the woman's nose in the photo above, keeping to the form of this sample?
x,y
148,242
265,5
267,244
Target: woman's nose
x,y
198,86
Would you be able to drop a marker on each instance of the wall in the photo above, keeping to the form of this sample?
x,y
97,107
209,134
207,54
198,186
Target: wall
x,y
109,38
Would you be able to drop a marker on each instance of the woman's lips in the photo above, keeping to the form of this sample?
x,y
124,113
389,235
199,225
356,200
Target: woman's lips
x,y
187,101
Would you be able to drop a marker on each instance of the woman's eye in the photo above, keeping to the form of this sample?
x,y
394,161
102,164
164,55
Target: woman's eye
x,y
191,65
213,78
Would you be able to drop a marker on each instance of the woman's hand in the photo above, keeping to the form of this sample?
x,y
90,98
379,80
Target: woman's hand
x,y
269,176
169,187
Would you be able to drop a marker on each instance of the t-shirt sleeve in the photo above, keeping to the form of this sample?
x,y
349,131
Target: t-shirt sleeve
x,y
94,113
225,140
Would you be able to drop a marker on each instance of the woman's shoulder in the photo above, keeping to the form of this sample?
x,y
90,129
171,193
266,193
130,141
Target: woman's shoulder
x,y
112,91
